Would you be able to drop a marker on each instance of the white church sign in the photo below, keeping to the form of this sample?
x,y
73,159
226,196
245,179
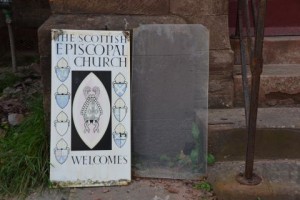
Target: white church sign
x,y
90,108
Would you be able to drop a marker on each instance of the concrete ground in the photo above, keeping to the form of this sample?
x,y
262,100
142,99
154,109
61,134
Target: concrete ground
x,y
280,181
280,178
276,140
139,189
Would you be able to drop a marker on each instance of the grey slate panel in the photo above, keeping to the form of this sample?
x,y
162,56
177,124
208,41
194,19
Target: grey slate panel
x,y
170,84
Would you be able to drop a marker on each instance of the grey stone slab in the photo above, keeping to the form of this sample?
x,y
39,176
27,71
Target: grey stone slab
x,y
170,84
161,137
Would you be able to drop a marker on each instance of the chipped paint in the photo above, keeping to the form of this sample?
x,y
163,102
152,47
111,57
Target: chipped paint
x,y
127,35
88,183
56,33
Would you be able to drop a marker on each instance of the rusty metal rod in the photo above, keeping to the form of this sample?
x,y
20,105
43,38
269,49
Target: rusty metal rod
x,y
237,24
8,20
12,47
254,12
248,30
243,60
256,70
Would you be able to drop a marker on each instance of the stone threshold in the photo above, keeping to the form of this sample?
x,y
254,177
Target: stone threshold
x,y
273,117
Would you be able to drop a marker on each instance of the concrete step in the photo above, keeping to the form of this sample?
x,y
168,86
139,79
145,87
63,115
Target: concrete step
x,y
277,50
280,180
277,137
277,158
280,85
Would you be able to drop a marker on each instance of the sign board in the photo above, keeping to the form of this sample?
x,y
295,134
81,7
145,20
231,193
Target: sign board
x,y
90,108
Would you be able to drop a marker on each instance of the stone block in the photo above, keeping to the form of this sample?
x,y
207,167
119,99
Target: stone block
x,y
219,7
218,29
221,62
277,50
30,13
190,7
127,7
220,91
198,7
102,22
279,85
45,64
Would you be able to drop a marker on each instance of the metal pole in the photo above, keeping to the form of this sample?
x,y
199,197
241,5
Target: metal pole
x,y
256,70
11,40
243,60
256,65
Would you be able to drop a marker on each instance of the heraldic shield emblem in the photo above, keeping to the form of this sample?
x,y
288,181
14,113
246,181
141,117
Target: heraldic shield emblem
x,y
61,151
120,135
120,85
62,70
91,110
62,123
62,96
120,110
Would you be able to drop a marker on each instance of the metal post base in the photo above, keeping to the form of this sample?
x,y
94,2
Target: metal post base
x,y
255,180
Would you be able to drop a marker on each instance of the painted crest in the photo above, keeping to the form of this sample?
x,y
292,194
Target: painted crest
x,y
62,123
62,70
120,135
91,110
120,110
120,85
62,96
61,151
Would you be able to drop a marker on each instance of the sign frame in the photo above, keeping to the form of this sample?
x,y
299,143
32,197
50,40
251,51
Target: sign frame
x,y
90,142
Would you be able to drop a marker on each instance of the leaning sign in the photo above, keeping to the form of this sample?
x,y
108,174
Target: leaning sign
x,y
90,108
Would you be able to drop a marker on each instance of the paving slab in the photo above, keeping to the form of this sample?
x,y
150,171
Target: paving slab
x,y
280,180
141,189
53,194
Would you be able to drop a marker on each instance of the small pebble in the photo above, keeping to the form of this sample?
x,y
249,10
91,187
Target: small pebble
x,y
105,191
15,118
173,190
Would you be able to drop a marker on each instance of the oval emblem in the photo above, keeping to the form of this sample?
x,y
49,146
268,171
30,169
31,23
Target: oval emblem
x,y
91,110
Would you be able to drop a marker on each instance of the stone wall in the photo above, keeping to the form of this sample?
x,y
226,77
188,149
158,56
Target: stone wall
x,y
27,16
30,13
214,15
130,13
